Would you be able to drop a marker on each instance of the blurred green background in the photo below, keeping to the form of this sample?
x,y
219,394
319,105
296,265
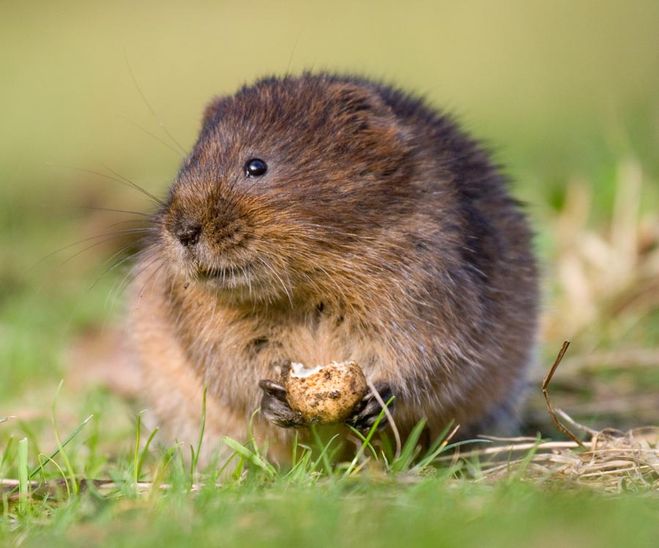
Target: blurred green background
x,y
564,92
548,83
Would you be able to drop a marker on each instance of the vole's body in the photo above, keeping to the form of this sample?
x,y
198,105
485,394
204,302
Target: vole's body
x,y
380,233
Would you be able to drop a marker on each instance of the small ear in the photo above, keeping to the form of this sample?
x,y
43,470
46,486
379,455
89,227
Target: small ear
x,y
361,105
213,110
375,130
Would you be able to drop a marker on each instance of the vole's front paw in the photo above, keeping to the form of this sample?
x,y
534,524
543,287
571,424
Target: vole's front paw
x,y
369,408
275,408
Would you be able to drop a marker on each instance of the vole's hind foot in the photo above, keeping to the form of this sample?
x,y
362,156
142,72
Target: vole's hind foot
x,y
275,408
369,408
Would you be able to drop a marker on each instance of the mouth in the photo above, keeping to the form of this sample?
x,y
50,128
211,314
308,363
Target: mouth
x,y
231,275
244,281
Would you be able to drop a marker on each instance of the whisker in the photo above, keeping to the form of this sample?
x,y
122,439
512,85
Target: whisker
x,y
136,186
113,266
290,58
139,269
286,290
95,244
146,282
247,277
151,110
116,179
112,210
107,236
179,153
137,224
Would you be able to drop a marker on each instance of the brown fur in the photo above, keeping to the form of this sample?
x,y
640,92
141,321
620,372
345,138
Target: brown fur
x,y
381,233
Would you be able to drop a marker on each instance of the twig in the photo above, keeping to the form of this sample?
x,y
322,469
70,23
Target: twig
x,y
387,413
545,392
575,424
450,436
514,447
509,440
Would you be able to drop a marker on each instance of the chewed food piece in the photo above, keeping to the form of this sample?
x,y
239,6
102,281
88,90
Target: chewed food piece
x,y
326,393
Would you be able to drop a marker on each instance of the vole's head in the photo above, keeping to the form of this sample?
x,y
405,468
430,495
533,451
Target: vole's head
x,y
288,178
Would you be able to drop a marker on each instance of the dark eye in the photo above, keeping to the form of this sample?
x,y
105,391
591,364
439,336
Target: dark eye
x,y
255,167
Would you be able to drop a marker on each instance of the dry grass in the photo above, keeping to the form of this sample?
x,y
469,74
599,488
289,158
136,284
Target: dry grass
x,y
604,276
609,461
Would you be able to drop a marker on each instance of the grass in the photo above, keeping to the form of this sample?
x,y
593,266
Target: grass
x,y
152,497
85,489
431,512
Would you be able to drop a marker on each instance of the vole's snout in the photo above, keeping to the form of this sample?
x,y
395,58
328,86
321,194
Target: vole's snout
x,y
186,232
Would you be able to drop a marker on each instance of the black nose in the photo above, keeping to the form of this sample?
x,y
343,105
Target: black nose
x,y
187,233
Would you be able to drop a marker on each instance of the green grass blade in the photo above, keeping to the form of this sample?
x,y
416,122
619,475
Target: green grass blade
x,y
327,465
62,445
250,456
136,448
43,459
366,443
5,454
144,453
407,454
324,454
23,487
200,440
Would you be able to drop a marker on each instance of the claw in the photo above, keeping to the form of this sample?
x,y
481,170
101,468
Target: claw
x,y
273,389
369,408
275,408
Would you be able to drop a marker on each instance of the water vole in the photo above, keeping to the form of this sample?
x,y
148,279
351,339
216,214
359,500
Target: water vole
x,y
323,218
